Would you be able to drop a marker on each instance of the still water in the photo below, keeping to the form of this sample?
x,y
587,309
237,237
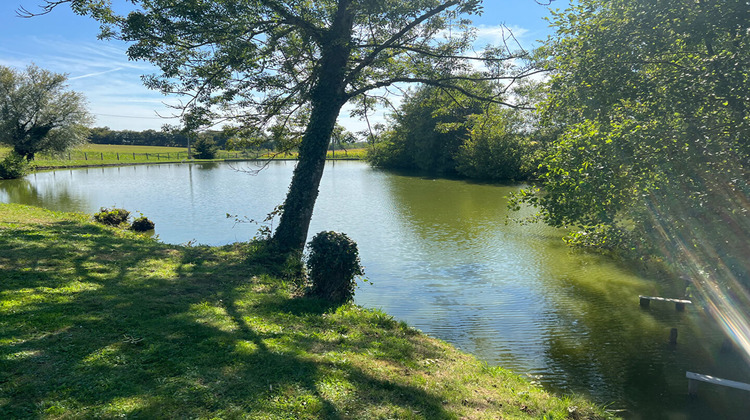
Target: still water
x,y
441,257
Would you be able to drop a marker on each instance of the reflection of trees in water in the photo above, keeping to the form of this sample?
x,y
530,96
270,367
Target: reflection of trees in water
x,y
480,276
206,166
23,191
439,209
587,324
595,334
605,345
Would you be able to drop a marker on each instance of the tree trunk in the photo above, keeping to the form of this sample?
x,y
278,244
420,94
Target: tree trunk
x,y
327,98
24,152
291,233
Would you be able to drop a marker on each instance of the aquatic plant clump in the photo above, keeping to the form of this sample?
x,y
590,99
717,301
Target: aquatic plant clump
x,y
111,217
333,264
142,224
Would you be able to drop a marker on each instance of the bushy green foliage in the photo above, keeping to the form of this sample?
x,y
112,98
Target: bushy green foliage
x,y
38,113
333,263
427,131
452,134
650,99
112,216
204,148
388,152
496,148
142,224
13,166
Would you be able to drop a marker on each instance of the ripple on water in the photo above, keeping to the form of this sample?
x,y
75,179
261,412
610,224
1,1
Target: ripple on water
x,y
442,258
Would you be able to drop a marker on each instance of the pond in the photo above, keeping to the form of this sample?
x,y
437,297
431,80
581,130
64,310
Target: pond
x,y
442,257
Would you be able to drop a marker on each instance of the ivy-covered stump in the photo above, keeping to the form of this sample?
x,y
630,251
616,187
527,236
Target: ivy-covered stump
x,y
333,264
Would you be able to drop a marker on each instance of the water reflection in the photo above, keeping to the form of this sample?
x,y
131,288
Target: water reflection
x,y
483,274
30,192
206,166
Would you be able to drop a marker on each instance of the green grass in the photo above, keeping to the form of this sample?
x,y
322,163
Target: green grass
x,y
98,322
108,154
96,148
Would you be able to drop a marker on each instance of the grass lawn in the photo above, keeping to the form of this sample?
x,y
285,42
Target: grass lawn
x,y
99,322
110,154
96,148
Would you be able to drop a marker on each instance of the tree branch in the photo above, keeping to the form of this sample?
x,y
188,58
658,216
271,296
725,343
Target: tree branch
x,y
444,83
310,29
430,53
395,37
47,8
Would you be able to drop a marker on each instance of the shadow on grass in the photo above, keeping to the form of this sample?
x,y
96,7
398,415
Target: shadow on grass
x,y
96,325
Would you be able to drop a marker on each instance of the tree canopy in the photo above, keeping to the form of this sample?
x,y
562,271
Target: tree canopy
x,y
258,62
650,101
449,133
427,131
38,113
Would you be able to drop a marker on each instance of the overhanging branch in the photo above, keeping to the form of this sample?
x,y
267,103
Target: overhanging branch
x,y
395,37
46,8
430,53
445,83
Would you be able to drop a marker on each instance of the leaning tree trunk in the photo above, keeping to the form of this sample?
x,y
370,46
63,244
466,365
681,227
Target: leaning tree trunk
x,y
292,231
327,98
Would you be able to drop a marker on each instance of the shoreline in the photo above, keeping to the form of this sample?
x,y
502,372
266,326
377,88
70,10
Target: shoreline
x,y
157,162
136,310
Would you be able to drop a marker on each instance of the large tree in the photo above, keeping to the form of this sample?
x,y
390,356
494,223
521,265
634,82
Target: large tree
x,y
38,113
427,131
258,62
650,100
442,132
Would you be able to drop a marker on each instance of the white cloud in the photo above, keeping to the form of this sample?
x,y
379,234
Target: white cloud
x,y
102,72
501,34
95,74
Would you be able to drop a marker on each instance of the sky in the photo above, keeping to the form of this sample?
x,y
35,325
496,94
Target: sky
x,y
63,42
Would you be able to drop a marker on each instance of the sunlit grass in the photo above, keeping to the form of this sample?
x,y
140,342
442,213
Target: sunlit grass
x,y
96,322
105,154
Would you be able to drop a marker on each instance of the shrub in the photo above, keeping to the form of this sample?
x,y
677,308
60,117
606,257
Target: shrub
x,y
204,148
13,166
333,263
111,217
496,149
142,224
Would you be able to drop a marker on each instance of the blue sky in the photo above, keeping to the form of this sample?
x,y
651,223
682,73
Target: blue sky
x,y
66,43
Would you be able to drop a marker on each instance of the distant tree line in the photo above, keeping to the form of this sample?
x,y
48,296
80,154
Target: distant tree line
x,y
104,135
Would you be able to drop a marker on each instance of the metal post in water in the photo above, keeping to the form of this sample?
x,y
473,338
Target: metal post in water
x,y
645,302
673,336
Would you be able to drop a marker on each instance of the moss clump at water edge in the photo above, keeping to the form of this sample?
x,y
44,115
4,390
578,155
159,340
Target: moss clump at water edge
x,y
100,322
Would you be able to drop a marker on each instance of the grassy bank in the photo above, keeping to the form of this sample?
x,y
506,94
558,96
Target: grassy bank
x,y
97,322
108,154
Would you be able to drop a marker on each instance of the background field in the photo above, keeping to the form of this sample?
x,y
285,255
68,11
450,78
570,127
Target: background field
x,y
105,154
